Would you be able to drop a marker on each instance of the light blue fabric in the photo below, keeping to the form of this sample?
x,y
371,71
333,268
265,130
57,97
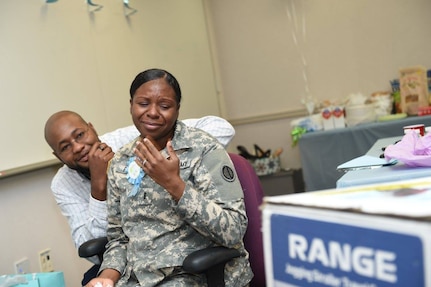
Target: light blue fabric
x,y
48,279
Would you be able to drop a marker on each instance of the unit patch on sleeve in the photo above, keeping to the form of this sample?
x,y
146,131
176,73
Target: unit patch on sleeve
x,y
227,173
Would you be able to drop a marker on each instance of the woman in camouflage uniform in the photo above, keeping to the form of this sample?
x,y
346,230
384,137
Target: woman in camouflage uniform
x,y
171,191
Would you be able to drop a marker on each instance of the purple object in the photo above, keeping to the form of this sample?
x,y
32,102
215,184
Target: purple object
x,y
412,150
253,195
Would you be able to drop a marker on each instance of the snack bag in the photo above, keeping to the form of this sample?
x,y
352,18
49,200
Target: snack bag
x,y
413,89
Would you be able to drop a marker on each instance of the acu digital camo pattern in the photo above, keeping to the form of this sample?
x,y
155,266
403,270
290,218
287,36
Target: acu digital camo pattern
x,y
150,234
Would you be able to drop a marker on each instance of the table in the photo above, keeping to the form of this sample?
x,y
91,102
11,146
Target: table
x,y
382,174
282,182
278,183
322,151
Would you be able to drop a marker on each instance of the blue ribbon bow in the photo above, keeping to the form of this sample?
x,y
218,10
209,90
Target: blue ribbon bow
x,y
135,174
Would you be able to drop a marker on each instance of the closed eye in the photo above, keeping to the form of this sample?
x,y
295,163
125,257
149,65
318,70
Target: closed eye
x,y
143,104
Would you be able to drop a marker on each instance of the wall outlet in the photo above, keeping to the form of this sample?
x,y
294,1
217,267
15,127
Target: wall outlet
x,y
22,266
45,261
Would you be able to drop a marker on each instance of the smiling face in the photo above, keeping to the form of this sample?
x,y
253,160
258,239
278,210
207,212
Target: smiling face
x,y
71,139
155,110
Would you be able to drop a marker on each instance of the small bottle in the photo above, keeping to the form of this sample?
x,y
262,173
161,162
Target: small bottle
x,y
396,96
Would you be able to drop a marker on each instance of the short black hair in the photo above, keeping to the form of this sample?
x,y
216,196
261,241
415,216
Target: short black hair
x,y
153,74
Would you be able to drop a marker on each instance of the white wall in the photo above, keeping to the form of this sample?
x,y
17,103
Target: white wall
x,y
348,47
59,56
32,222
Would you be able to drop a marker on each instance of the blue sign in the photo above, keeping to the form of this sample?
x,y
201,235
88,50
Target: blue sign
x,y
315,253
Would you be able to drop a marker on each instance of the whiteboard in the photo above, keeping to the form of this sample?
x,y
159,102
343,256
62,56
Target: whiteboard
x,y
64,56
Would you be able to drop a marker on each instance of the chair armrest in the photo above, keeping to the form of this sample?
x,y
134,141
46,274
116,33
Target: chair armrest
x,y
202,260
92,247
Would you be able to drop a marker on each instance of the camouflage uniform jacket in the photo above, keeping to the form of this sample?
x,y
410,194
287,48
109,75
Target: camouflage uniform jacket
x,y
149,232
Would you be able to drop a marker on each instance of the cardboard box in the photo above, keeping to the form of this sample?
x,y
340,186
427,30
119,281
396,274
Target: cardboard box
x,y
338,117
368,236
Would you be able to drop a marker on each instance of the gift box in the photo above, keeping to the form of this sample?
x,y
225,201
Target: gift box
x,y
266,165
43,279
264,162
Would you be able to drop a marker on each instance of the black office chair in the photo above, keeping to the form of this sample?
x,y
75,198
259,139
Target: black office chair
x,y
211,261
93,247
